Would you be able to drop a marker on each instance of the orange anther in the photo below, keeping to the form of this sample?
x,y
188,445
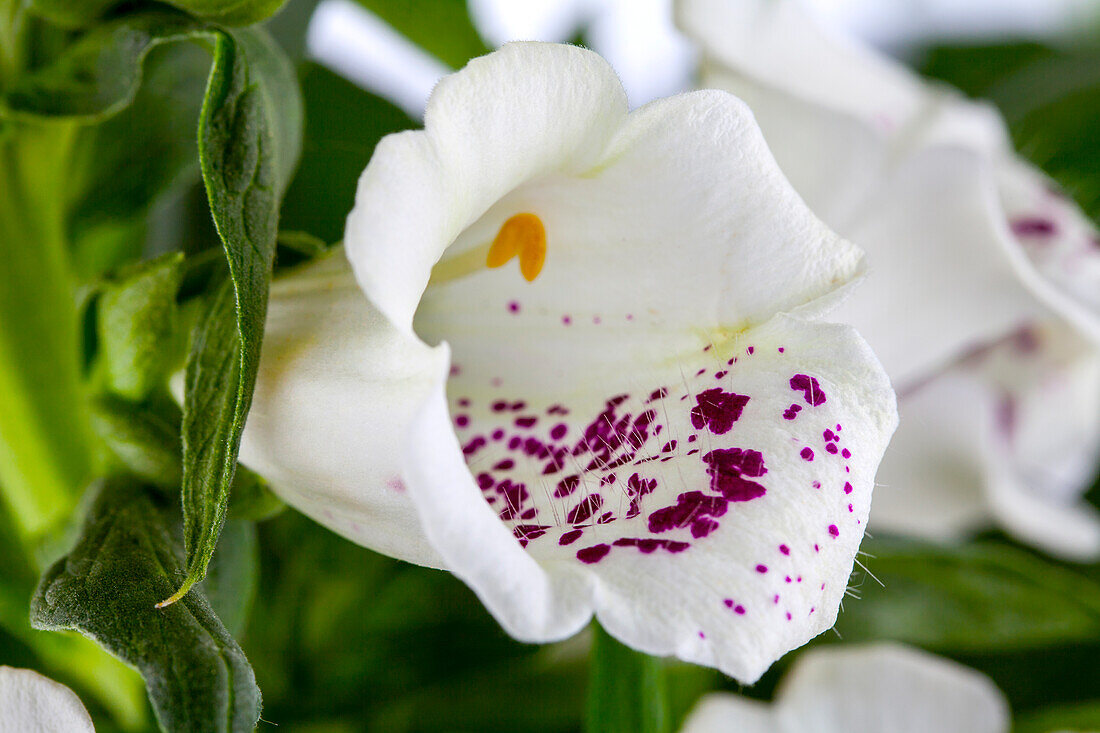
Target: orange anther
x,y
523,235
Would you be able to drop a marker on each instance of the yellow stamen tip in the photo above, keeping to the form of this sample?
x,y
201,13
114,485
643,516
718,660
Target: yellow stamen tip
x,y
523,235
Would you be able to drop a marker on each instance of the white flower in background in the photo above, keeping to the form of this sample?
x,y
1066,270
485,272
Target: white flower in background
x,y
973,255
31,703
630,410
876,688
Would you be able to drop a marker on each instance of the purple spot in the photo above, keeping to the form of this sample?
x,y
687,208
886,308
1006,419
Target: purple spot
x,y
498,434
847,487
829,435
717,410
807,454
593,554
781,349
846,453
810,389
649,545
462,421
726,468
702,635
526,421
719,375
785,550
505,465
585,509
566,320
750,350
1033,226
513,307
831,448
833,530
463,402
761,569
570,537
816,484
792,412
692,507
499,406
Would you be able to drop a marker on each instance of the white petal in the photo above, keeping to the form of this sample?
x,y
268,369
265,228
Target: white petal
x,y
684,221
722,712
622,515
1058,240
1044,452
781,46
337,388
35,704
526,110
931,480
940,282
1011,434
885,687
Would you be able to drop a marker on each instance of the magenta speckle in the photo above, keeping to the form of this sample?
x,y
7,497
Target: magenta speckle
x,y
702,635
750,350
807,454
780,349
810,389
719,375
785,550
831,448
816,484
558,431
847,487
846,453
1034,226
513,307
593,554
833,530
761,569
566,320
717,410
462,421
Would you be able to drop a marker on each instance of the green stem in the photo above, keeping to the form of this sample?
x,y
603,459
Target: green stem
x,y
627,690
45,443
13,22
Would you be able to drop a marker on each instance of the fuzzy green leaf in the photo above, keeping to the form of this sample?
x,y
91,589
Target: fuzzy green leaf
x,y
249,140
983,596
125,561
136,320
223,12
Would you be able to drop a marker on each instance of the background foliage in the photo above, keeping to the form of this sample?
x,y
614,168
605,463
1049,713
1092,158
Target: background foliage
x,y
104,203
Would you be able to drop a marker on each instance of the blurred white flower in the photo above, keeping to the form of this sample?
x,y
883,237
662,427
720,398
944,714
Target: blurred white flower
x,y
642,418
984,295
31,703
884,688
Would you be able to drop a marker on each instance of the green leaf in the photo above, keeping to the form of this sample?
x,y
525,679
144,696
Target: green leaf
x,y
117,184
1083,717
136,322
440,27
144,439
223,12
981,596
627,690
248,147
99,74
231,583
126,559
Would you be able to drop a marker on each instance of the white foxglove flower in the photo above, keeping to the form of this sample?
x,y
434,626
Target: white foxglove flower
x,y
630,408
31,703
884,688
968,247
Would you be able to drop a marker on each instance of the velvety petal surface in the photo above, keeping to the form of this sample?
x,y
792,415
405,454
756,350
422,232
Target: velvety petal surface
x,y
1012,434
879,687
337,388
706,503
32,703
